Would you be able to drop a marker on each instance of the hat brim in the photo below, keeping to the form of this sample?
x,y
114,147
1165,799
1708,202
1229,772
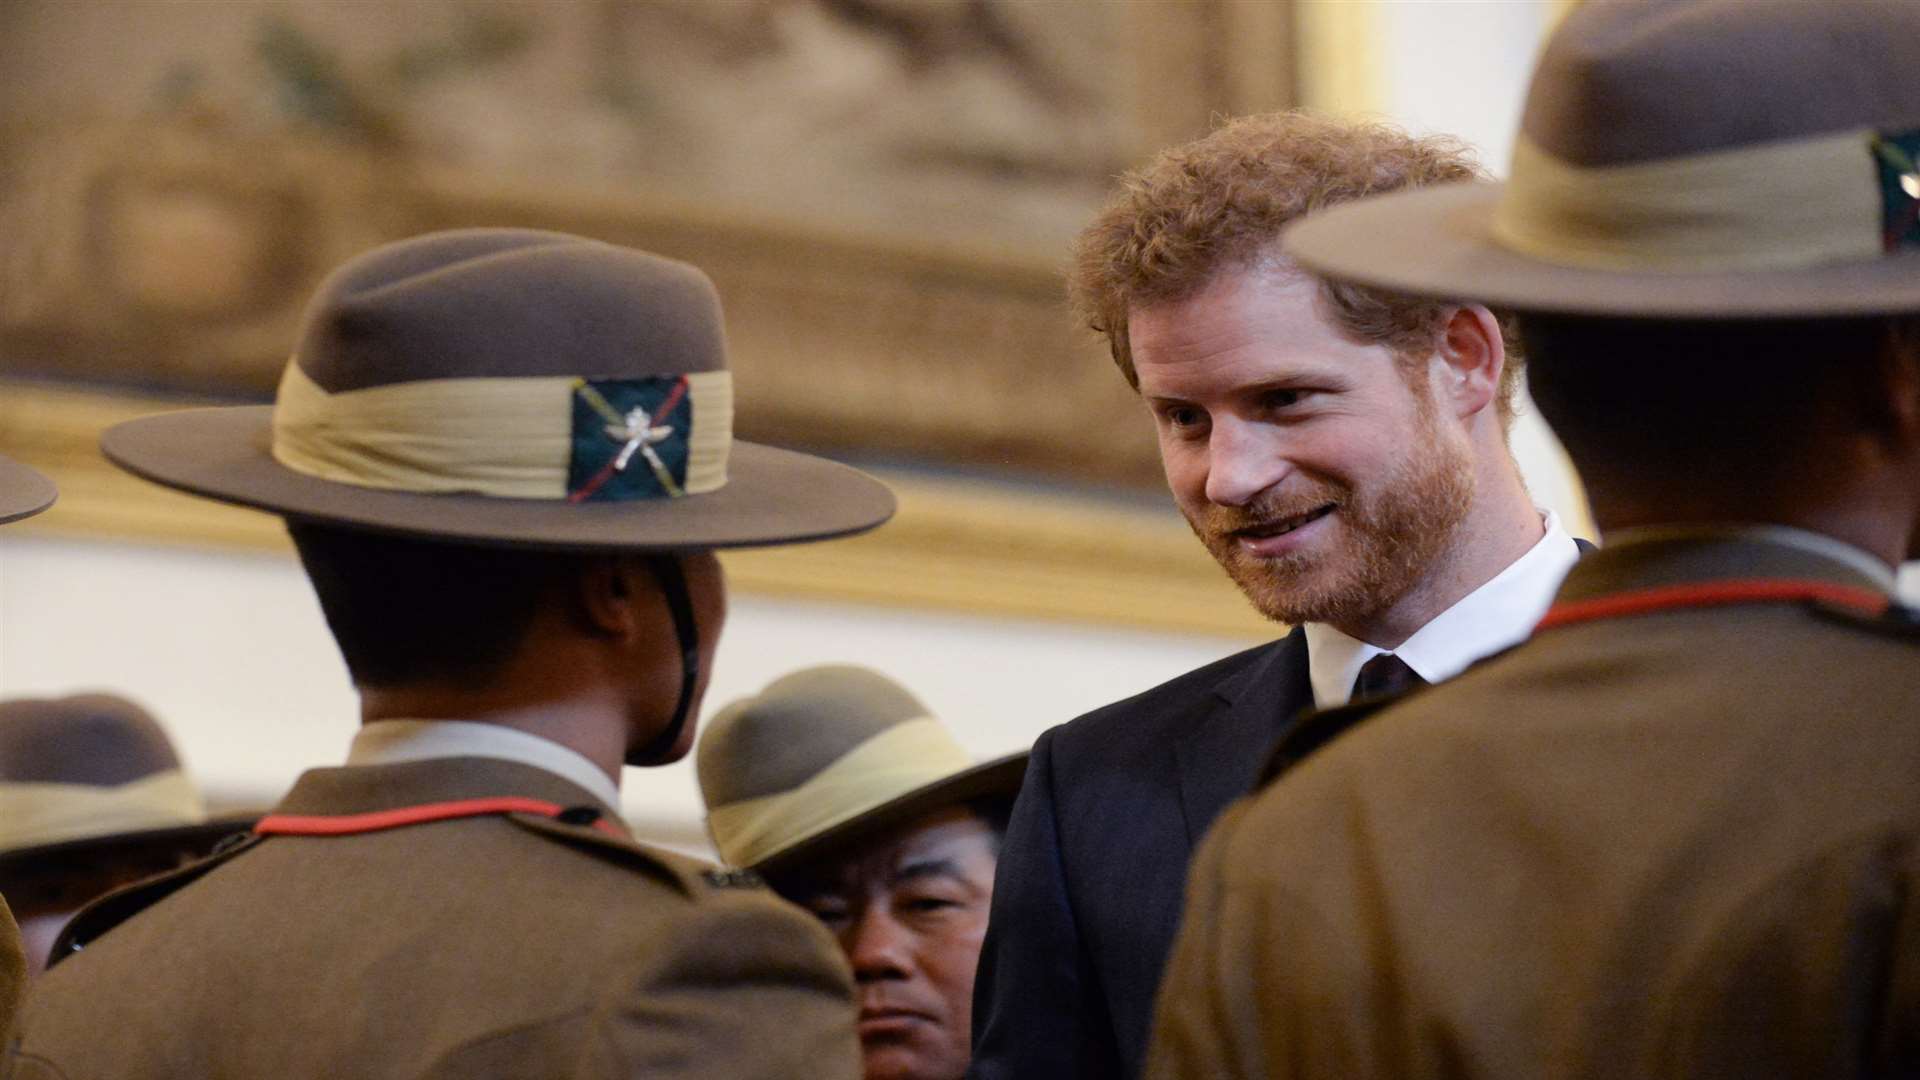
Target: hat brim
x,y
772,496
24,492
1438,242
1001,776
202,835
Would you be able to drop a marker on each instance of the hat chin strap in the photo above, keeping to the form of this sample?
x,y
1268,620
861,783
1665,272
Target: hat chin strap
x,y
673,585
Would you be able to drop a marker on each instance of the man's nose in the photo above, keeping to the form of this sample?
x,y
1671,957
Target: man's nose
x,y
878,947
1244,458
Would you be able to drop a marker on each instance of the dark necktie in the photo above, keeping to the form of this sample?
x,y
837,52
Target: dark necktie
x,y
1384,675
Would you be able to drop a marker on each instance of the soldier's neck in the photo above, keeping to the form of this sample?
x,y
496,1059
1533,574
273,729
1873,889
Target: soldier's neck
x,y
585,719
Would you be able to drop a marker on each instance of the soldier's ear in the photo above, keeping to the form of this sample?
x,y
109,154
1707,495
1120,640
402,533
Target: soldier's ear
x,y
1473,354
1882,395
613,595
1901,373
1893,408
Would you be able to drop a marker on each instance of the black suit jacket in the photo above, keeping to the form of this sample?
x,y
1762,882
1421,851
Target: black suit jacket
x,y
1092,874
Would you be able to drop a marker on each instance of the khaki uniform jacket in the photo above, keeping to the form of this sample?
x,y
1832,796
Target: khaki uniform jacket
x,y
1677,843
13,967
499,946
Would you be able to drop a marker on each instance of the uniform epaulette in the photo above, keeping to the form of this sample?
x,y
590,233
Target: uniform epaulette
x,y
580,825
692,876
116,907
1898,620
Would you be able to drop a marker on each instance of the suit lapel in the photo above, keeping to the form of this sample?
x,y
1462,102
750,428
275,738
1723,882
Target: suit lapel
x,y
1220,757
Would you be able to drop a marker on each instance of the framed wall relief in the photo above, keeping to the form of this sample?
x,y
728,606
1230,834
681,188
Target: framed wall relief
x,y
883,190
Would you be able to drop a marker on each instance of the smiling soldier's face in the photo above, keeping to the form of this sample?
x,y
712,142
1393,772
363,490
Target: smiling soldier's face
x,y
1317,469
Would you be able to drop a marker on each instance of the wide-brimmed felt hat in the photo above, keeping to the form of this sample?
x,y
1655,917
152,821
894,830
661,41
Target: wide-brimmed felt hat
x,y
1677,159
91,772
509,387
825,756
24,492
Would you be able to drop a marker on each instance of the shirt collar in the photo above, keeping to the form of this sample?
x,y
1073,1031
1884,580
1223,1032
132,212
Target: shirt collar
x,y
389,742
1856,558
1494,616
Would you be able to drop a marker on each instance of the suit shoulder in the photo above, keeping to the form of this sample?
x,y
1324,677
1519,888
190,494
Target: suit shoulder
x,y
1314,731
1146,715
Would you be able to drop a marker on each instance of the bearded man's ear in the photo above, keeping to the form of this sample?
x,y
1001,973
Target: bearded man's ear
x,y
1474,355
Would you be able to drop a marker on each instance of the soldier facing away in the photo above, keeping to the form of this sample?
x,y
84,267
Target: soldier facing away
x,y
505,457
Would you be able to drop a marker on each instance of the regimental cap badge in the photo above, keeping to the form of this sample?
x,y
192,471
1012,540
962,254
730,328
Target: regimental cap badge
x,y
631,439
1899,188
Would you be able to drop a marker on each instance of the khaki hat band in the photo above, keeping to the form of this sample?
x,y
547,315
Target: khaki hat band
x,y
904,758
1785,204
514,438
35,814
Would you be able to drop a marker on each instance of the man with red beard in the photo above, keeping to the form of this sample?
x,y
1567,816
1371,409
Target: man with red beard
x,y
1342,452
1677,832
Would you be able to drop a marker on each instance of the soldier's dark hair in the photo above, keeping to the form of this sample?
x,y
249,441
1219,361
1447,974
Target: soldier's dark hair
x,y
406,610
996,811
1659,409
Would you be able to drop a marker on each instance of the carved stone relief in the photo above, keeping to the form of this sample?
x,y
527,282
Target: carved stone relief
x,y
882,189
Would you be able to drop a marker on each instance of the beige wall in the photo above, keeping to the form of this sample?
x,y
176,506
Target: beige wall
x,y
230,651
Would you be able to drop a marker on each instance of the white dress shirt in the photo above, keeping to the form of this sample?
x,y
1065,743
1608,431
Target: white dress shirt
x,y
1499,614
388,742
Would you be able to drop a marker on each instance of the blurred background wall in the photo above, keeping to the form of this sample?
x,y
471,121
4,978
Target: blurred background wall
x,y
883,191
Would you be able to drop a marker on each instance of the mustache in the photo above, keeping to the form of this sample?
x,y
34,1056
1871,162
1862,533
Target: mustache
x,y
1265,511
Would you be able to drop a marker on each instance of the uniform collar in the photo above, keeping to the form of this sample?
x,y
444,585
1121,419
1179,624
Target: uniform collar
x,y
1826,547
362,789
1494,616
1647,558
389,742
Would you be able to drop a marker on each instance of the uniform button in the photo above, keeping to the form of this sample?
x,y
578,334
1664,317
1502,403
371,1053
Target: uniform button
x,y
229,842
733,879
